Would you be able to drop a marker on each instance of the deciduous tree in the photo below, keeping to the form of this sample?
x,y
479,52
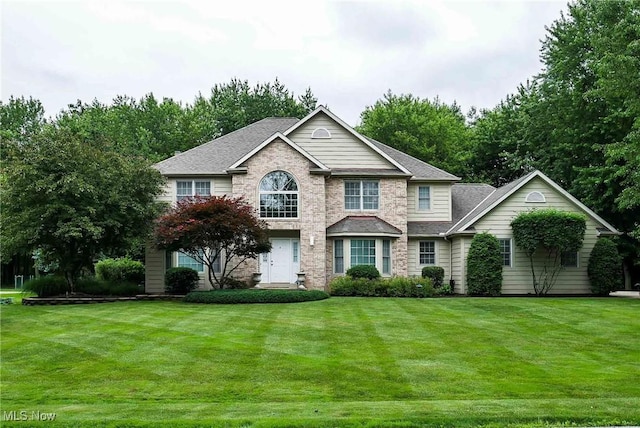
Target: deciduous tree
x,y
212,230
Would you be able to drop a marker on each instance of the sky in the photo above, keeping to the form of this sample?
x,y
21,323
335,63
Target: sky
x,y
349,53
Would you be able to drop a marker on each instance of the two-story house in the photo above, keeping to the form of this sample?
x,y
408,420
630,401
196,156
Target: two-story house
x,y
334,198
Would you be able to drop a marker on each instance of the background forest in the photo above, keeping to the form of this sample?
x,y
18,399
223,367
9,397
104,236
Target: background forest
x,y
578,121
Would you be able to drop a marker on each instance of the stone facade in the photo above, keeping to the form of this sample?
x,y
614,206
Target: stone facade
x,y
278,155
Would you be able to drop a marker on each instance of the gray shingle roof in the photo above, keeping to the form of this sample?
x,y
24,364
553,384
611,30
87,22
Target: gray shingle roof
x,y
363,224
464,198
420,169
491,199
217,155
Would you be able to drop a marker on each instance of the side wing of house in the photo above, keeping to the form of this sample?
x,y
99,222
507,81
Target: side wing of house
x,y
538,192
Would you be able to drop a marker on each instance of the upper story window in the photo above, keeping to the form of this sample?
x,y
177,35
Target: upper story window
x,y
535,197
424,198
361,195
190,188
321,133
278,195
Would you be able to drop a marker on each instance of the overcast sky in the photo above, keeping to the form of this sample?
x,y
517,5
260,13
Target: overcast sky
x,y
348,53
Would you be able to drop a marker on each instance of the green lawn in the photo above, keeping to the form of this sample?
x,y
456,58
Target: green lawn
x,y
337,362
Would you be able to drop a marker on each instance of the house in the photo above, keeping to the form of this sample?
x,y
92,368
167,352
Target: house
x,y
334,198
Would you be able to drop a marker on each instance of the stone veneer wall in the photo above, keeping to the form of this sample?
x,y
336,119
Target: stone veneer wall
x,y
278,155
392,209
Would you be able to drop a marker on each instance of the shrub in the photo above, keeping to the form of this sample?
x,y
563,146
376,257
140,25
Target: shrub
x,y
435,274
605,267
363,271
180,280
445,290
119,270
484,266
227,296
46,286
387,287
100,287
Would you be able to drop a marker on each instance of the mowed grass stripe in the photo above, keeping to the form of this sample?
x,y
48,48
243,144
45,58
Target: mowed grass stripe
x,y
338,353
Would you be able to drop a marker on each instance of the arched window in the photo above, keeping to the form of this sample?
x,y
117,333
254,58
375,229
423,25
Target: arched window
x,y
321,133
278,195
536,197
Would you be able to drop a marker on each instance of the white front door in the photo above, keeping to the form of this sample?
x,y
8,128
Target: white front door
x,y
282,263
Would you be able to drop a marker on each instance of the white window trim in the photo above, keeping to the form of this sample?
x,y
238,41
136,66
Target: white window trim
x,y
510,251
361,209
288,192
571,267
175,262
314,136
428,210
193,187
435,252
346,254
535,192
344,270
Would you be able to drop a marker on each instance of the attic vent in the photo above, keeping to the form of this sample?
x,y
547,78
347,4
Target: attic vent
x,y
321,133
535,197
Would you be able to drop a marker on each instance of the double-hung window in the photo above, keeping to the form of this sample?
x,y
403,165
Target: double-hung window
x,y
361,195
427,253
189,188
363,252
424,198
187,261
569,259
505,251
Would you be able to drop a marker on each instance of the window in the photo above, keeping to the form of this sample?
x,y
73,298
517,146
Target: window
x,y
363,252
338,256
424,198
505,251
321,133
278,195
294,249
190,188
361,195
569,259
535,197
427,253
188,261
386,256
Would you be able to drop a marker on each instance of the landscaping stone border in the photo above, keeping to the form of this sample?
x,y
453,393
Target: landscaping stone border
x,y
71,300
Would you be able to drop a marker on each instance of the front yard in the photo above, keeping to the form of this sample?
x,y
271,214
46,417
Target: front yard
x,y
337,362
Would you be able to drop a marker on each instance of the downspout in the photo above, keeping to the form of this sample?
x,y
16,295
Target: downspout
x,y
452,282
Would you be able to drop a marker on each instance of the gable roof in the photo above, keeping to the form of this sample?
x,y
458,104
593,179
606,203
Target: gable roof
x,y
360,137
216,156
502,193
464,198
279,136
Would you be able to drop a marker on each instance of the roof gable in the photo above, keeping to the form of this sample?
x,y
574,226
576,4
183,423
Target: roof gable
x,y
321,110
503,193
281,137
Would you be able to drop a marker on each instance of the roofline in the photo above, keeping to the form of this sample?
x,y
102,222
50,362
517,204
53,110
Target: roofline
x,y
526,180
269,141
351,130
361,234
454,227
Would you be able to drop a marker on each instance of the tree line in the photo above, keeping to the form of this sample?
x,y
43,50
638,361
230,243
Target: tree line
x,y
578,121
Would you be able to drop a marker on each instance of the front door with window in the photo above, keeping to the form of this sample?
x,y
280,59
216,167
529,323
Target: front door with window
x,y
282,263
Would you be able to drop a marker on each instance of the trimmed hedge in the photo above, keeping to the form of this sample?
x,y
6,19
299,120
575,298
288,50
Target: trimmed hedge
x,y
120,270
254,296
385,287
47,286
484,266
180,280
605,267
435,274
363,271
